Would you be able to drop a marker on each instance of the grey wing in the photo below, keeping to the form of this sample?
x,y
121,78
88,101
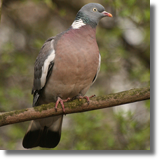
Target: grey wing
x,y
43,67
98,69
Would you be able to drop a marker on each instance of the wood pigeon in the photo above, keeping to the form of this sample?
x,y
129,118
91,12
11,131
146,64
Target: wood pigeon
x,y
65,68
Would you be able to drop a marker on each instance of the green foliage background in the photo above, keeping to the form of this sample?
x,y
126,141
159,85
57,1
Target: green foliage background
x,y
124,43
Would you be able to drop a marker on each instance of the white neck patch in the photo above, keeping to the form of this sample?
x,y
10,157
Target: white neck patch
x,y
78,24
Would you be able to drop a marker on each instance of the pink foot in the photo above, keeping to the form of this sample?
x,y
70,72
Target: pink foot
x,y
59,100
86,97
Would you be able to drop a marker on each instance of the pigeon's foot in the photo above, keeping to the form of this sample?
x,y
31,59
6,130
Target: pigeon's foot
x,y
86,97
59,100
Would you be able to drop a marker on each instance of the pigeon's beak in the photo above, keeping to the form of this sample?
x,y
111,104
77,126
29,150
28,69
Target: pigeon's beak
x,y
106,14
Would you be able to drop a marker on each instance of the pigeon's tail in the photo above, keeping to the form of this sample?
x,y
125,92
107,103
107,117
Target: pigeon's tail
x,y
44,132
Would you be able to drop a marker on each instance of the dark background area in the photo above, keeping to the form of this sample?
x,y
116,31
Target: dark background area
x,y
124,43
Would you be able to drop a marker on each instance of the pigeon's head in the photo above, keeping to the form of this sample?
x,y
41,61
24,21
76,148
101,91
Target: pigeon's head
x,y
91,13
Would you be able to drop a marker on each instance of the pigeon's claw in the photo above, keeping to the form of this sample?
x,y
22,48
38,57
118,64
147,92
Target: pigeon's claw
x,y
59,100
86,97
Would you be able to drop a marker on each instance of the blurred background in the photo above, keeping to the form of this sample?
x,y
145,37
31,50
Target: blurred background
x,y
124,43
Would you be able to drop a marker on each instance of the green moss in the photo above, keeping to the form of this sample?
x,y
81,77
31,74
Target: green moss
x,y
2,118
102,98
44,107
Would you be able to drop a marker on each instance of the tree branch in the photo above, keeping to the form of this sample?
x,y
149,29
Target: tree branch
x,y
75,106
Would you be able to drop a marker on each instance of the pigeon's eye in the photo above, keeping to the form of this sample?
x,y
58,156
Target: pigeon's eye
x,y
94,9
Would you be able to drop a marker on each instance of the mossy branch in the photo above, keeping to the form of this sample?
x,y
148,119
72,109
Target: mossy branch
x,y
75,106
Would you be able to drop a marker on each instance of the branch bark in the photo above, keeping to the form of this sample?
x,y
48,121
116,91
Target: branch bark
x,y
75,106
